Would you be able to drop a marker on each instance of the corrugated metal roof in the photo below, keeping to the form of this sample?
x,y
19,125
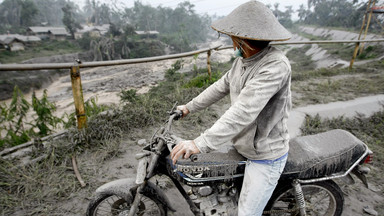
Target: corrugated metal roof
x,y
11,39
58,31
22,38
31,38
146,32
53,30
102,29
39,29
3,37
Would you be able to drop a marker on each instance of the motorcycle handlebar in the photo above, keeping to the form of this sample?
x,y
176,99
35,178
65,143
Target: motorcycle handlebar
x,y
177,114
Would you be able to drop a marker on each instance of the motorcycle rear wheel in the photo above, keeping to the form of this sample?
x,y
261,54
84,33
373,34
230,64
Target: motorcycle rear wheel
x,y
321,199
111,205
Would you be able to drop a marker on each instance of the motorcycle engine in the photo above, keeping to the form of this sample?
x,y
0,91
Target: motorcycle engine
x,y
218,199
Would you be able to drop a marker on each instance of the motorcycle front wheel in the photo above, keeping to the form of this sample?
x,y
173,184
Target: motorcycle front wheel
x,y
321,199
113,205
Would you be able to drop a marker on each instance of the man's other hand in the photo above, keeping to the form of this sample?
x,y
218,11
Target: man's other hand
x,y
185,148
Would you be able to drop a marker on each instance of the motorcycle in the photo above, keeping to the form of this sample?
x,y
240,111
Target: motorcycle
x,y
306,186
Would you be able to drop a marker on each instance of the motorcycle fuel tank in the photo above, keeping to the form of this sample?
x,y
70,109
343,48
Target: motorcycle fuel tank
x,y
202,168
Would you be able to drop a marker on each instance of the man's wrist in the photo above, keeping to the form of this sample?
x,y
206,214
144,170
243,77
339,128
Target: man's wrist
x,y
189,106
201,144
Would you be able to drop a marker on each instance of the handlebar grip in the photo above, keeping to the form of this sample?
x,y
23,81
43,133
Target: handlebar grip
x,y
178,114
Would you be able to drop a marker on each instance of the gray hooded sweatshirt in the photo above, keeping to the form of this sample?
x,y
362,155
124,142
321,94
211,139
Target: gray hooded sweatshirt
x,y
256,122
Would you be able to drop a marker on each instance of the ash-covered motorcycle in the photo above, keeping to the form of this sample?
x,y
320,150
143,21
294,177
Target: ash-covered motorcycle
x,y
306,186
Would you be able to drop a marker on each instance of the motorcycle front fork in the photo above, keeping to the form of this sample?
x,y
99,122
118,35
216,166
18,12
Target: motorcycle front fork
x,y
137,200
299,197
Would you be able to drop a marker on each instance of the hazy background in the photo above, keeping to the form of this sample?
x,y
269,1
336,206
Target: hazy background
x,y
218,7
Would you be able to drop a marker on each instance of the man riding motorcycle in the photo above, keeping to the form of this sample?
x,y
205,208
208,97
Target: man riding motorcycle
x,y
259,87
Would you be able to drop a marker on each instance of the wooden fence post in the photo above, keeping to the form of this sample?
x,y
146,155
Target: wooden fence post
x,y
209,65
361,31
78,98
367,27
354,55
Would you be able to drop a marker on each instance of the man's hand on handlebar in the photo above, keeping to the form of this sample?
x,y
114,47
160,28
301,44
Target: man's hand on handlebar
x,y
185,148
183,109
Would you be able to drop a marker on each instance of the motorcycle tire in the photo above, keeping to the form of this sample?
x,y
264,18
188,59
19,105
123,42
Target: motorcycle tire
x,y
111,204
323,198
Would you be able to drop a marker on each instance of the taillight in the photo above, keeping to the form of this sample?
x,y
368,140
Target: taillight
x,y
369,158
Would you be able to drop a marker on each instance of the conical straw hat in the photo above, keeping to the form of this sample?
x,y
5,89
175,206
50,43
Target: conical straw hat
x,y
253,21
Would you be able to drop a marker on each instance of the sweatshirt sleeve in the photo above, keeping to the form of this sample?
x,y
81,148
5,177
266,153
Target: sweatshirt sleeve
x,y
209,96
250,102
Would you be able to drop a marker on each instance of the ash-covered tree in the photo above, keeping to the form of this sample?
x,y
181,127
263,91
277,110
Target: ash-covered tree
x,y
114,30
15,15
302,13
180,27
69,21
96,13
88,9
28,12
341,13
50,11
284,17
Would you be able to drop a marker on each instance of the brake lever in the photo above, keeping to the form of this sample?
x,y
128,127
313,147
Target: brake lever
x,y
178,113
171,145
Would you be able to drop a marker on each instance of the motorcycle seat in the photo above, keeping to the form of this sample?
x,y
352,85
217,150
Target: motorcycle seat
x,y
322,154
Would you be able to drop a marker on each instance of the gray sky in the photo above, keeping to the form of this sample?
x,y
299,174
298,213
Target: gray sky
x,y
220,7
211,7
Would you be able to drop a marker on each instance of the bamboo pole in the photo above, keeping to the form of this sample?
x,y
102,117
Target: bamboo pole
x,y
45,66
364,19
78,98
80,111
9,67
209,65
366,27
311,42
354,55
361,31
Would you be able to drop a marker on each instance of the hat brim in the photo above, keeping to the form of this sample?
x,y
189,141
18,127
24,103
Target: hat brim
x,y
252,21
249,38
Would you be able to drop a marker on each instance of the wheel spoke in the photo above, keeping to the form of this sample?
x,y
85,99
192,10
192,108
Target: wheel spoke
x,y
114,205
319,197
320,200
109,202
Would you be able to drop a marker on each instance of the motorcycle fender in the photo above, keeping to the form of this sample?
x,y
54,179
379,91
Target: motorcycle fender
x,y
141,170
121,187
348,179
124,188
361,176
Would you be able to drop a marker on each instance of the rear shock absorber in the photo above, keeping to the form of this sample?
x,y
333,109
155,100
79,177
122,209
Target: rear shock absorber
x,y
299,197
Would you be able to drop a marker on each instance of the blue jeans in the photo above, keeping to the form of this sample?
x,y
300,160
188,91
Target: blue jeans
x,y
260,179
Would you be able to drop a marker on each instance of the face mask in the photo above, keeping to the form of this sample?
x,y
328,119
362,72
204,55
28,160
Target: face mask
x,y
238,52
